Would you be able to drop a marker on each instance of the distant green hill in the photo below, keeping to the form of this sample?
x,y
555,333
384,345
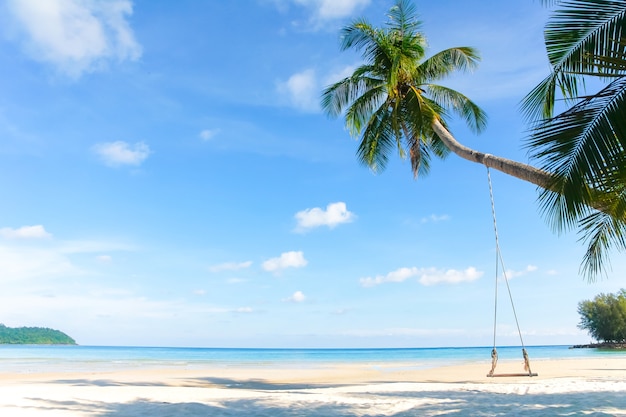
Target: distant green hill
x,y
33,336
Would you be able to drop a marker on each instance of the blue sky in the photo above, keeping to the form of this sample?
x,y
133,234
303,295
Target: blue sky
x,y
168,179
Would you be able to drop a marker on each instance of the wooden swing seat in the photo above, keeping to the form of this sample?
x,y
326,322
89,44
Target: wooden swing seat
x,y
518,374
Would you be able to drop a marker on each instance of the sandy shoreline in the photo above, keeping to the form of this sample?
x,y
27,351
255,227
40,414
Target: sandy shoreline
x,y
563,387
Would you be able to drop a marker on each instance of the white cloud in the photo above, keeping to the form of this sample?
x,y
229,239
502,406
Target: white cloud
x,y
515,274
398,275
450,276
244,310
208,134
339,75
422,332
24,263
230,266
25,232
324,10
296,297
121,153
105,259
427,276
302,90
291,259
435,218
49,259
76,36
335,214
91,246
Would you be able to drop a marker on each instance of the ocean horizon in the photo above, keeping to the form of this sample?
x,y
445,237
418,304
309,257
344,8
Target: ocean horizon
x,y
79,358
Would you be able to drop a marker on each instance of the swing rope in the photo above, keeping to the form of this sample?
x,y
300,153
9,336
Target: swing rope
x,y
500,262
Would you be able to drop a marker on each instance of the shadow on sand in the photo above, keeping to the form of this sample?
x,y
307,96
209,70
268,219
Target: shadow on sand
x,y
208,382
302,400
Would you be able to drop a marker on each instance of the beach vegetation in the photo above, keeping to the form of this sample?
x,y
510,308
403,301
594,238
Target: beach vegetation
x,y
604,317
33,336
393,102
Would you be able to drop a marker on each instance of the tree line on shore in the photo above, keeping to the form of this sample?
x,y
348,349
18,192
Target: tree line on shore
x,y
33,336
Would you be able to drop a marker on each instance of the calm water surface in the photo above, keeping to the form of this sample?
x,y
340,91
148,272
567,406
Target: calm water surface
x,y
31,358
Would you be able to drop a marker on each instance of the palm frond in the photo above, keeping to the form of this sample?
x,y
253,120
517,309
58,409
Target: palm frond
x,y
474,116
602,232
582,30
418,114
415,117
578,143
539,103
448,61
377,140
611,65
403,18
361,109
584,149
360,34
338,96
583,37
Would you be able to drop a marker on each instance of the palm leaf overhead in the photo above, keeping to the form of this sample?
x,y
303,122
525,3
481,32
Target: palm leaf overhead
x,y
585,37
584,147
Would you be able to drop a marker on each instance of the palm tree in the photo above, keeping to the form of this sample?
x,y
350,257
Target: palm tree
x,y
392,102
584,147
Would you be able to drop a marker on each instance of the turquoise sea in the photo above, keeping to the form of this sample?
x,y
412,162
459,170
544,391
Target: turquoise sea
x,y
37,358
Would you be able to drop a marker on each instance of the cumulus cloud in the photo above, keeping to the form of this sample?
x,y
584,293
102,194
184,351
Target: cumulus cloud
x,y
208,134
302,90
25,232
399,275
230,266
335,214
427,276
121,153
291,259
325,10
515,274
451,276
296,297
76,36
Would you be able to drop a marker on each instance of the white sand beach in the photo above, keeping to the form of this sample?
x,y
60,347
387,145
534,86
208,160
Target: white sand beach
x,y
567,387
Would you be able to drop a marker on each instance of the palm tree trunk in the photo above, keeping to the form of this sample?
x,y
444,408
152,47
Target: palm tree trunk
x,y
516,169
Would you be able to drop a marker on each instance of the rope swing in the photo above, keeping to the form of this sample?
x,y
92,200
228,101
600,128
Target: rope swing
x,y
500,262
